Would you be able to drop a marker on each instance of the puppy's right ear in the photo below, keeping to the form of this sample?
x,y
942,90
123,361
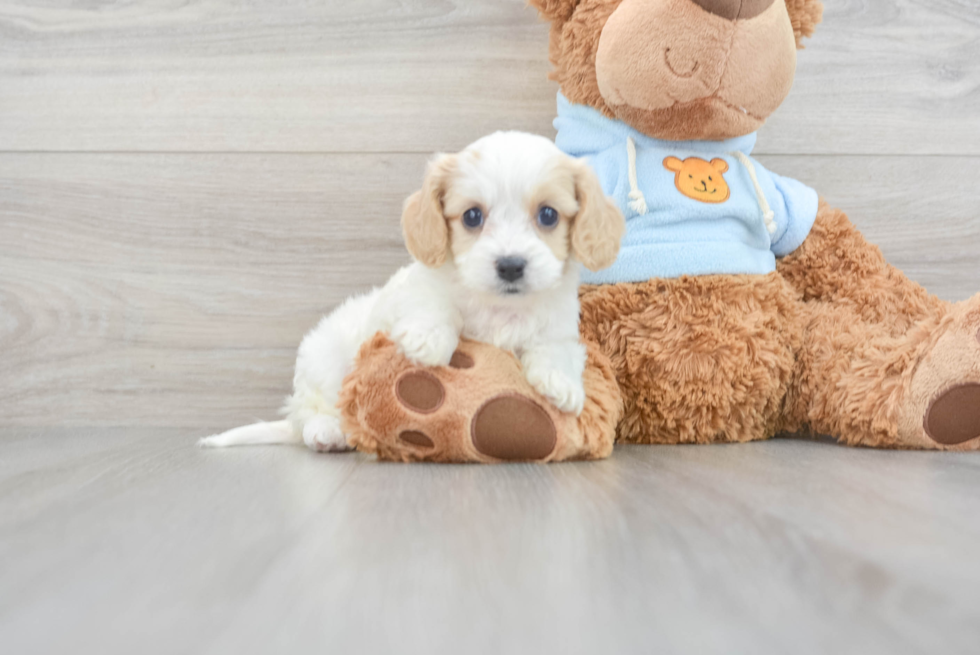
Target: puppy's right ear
x,y
423,221
555,10
599,225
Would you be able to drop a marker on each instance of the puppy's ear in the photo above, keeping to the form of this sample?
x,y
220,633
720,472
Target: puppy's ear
x,y
555,10
599,226
423,222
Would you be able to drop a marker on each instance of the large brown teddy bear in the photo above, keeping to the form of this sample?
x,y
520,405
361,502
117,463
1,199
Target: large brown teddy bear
x,y
741,306
833,340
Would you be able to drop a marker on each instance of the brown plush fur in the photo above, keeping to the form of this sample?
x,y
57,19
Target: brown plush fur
x,y
698,359
836,342
804,15
374,418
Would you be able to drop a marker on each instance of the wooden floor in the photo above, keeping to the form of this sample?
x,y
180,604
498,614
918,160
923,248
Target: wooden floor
x,y
115,541
187,185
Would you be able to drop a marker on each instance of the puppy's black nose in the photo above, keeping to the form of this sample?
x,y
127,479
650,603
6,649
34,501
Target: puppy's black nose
x,y
511,269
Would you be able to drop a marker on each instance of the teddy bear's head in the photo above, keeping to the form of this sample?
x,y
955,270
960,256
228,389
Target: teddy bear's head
x,y
679,69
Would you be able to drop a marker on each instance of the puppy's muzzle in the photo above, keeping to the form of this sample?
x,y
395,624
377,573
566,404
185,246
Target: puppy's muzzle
x,y
511,269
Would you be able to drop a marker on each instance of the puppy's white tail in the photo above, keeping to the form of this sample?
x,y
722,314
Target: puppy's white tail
x,y
279,432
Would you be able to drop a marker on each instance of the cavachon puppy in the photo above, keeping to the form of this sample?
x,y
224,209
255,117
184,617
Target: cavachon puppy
x,y
498,232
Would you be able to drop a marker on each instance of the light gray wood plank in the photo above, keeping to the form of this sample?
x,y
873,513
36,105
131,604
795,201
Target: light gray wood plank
x,y
880,77
173,290
885,77
108,263
788,546
147,519
216,75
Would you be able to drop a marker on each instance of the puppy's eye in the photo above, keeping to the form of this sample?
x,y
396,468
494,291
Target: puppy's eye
x,y
473,218
548,217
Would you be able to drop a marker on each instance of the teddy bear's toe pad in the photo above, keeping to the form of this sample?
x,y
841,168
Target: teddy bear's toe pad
x,y
416,438
461,360
512,427
420,391
953,417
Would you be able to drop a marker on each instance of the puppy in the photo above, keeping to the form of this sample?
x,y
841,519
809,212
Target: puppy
x,y
497,232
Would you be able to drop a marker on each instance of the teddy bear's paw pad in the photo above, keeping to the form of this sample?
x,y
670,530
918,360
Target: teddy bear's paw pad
x,y
514,428
953,417
417,439
462,361
420,392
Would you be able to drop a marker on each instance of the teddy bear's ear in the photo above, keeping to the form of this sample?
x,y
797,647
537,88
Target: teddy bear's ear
x,y
555,10
805,16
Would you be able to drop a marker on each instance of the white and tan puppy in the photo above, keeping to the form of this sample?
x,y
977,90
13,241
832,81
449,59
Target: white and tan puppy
x,y
498,232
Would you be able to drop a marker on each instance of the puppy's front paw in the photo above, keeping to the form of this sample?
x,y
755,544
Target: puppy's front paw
x,y
426,346
565,393
323,434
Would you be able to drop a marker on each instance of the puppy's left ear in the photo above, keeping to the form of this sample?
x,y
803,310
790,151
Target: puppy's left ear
x,y
599,225
423,221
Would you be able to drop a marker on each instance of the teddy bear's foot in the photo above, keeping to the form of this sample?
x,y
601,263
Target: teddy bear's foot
x,y
942,404
480,408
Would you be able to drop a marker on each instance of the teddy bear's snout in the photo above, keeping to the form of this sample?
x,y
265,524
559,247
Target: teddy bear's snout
x,y
734,9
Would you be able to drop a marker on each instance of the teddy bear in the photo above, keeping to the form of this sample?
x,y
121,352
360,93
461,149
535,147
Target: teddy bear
x,y
741,306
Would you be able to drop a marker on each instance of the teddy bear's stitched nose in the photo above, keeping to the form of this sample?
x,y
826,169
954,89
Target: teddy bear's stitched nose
x,y
734,9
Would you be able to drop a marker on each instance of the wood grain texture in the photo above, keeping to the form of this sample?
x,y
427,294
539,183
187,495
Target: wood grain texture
x,y
133,284
174,289
880,77
123,542
217,75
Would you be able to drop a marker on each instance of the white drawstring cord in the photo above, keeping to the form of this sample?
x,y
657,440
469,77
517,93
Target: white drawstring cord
x,y
767,214
638,202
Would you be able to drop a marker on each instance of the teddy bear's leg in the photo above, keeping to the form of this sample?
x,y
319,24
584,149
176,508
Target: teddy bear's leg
x,y
883,363
480,408
698,360
860,383
837,264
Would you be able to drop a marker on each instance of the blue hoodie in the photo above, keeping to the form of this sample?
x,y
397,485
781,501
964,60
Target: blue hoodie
x,y
693,207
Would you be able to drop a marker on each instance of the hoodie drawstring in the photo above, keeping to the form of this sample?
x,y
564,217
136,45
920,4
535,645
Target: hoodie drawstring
x,y
767,214
638,202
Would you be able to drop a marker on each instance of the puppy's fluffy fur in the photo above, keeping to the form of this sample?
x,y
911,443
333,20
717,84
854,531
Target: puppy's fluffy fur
x,y
459,285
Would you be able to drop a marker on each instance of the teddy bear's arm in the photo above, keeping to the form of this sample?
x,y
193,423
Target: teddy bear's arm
x,y
796,210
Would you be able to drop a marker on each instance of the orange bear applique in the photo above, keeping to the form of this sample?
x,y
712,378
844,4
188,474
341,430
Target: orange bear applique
x,y
699,179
